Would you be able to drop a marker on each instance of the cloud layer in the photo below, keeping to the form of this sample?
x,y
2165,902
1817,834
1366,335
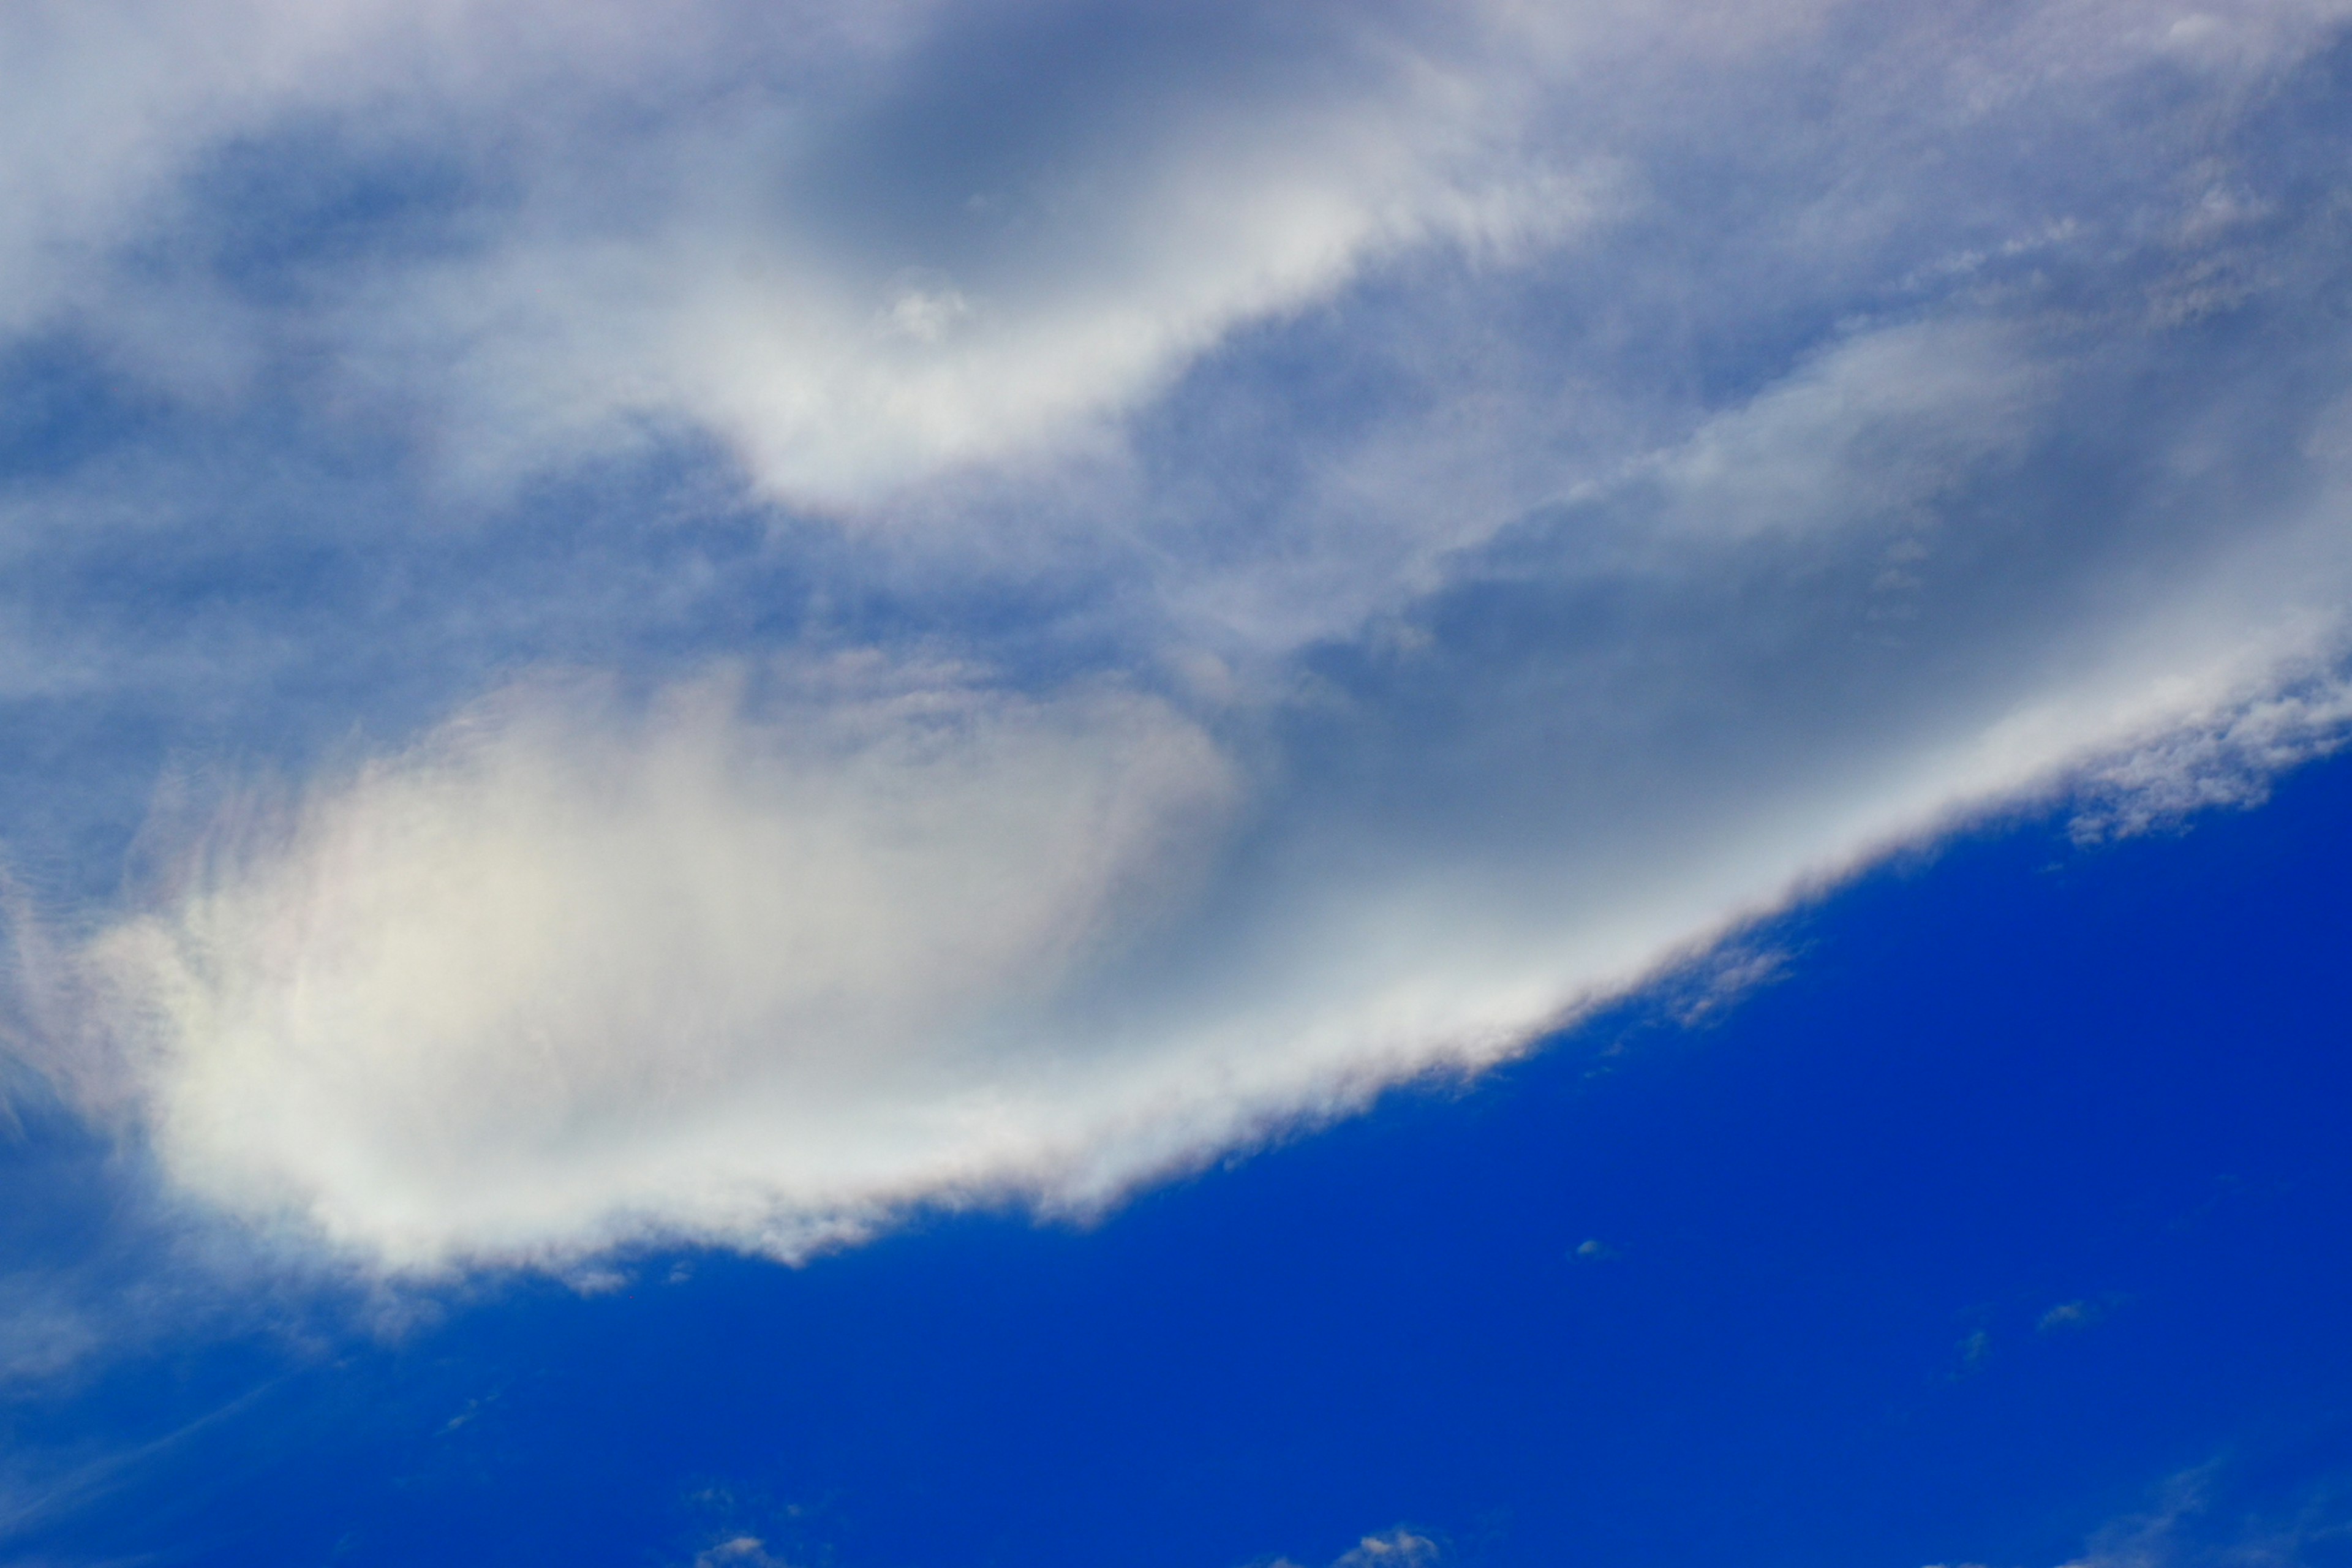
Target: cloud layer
x,y
978,603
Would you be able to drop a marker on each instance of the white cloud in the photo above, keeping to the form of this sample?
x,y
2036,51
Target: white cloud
x,y
1398,1548
746,1551
558,979
1072,256
1369,530
710,212
714,973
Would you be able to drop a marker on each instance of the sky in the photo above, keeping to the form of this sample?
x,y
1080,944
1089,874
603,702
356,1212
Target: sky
x,y
1306,786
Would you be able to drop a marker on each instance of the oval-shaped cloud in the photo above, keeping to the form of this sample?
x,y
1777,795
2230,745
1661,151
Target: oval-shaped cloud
x,y
493,994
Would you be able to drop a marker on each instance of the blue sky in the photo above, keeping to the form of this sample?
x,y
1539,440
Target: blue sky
x,y
1338,786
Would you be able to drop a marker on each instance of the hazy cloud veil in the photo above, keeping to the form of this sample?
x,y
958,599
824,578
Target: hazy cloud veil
x,y
850,607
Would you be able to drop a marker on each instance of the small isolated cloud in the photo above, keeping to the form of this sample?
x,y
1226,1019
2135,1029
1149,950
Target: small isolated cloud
x,y
1594,1250
2069,1315
1722,981
741,1552
1398,1548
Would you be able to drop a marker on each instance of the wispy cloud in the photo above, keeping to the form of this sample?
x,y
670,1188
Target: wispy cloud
x,y
2196,1521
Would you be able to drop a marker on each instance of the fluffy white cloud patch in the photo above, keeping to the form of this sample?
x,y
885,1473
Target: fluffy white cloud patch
x,y
556,967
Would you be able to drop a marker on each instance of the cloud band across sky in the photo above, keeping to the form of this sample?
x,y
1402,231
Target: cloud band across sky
x,y
847,631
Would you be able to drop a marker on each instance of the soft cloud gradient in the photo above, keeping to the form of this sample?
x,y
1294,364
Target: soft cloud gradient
x,y
940,604
551,966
